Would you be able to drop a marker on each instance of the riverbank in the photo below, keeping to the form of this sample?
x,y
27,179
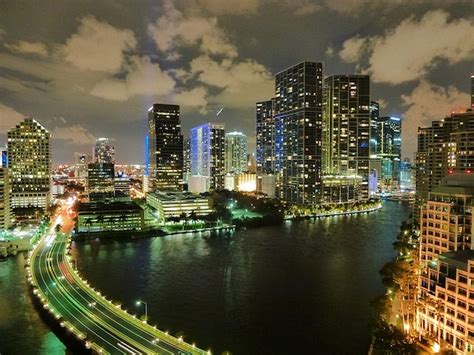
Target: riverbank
x,y
332,214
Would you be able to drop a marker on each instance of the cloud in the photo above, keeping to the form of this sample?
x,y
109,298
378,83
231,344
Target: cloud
x,y
98,46
24,47
229,7
426,103
193,98
175,29
413,48
382,103
75,134
329,51
143,78
9,117
241,83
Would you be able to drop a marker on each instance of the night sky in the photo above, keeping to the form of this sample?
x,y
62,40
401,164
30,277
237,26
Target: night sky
x,y
87,69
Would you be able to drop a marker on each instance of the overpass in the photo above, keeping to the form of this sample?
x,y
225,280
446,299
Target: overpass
x,y
101,325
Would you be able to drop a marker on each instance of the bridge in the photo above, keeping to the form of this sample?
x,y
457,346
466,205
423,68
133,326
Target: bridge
x,y
101,325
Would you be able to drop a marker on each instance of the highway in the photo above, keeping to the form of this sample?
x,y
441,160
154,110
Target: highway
x,y
102,325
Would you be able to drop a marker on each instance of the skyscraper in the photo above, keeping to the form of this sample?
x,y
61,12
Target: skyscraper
x,y
80,164
265,137
165,147
472,91
104,151
4,199
100,182
297,115
208,155
186,160
389,149
346,127
374,118
235,152
29,162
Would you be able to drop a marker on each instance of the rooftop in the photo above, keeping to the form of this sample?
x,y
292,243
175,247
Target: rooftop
x,y
111,206
457,258
175,195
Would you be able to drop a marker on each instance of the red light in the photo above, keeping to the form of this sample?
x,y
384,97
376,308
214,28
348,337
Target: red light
x,y
468,171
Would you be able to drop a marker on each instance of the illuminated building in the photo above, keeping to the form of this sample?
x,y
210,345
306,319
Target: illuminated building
x,y
265,137
29,168
104,151
100,182
374,118
341,188
245,182
4,157
113,216
235,152
406,175
446,219
298,109
186,160
5,219
389,149
439,146
472,91
266,185
346,129
208,156
179,204
445,304
122,187
165,147
80,167
251,163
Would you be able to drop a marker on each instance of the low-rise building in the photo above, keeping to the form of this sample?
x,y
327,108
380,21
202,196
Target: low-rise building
x,y
445,308
114,216
175,204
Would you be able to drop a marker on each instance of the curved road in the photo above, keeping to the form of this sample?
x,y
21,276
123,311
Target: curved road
x,y
102,325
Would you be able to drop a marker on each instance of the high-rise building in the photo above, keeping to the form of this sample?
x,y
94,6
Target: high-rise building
x,y
81,160
208,155
5,218
165,147
265,137
235,152
346,127
472,91
297,115
29,169
4,157
100,182
446,219
389,149
439,147
374,118
104,151
186,160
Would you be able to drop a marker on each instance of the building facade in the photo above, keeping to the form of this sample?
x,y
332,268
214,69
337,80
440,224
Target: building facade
x,y
265,137
208,155
81,160
5,218
346,127
298,118
29,167
165,147
100,182
235,153
104,151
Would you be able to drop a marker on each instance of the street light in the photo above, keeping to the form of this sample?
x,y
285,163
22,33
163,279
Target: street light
x,y
146,308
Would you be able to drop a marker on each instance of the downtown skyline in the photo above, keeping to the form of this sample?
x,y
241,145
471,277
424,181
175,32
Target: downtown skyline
x,y
54,77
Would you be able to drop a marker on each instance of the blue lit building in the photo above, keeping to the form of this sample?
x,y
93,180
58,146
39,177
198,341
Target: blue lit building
x,y
389,149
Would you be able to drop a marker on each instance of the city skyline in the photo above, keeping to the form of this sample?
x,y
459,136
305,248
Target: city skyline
x,y
44,75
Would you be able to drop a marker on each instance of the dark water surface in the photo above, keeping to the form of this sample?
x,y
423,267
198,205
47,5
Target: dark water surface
x,y
304,287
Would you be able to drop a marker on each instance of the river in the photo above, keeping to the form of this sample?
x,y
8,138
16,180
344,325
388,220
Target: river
x,y
303,287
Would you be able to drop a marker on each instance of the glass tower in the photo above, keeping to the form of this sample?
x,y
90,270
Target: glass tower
x,y
265,137
235,152
165,147
104,151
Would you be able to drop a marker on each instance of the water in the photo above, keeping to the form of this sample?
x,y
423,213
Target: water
x,y
304,287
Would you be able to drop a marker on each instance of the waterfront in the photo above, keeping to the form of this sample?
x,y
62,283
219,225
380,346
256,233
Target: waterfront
x,y
300,287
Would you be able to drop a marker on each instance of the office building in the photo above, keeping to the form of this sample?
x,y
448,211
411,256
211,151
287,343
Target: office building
x,y
446,218
341,189
165,147
266,185
235,152
29,169
186,160
346,128
374,118
265,137
104,151
207,157
179,204
81,160
297,115
100,182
